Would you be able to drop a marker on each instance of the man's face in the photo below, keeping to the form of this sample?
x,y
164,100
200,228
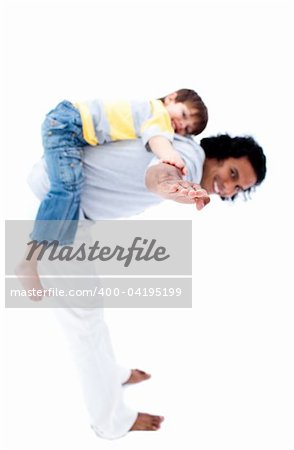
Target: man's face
x,y
227,177
182,116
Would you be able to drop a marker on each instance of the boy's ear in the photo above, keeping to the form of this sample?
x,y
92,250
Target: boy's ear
x,y
170,98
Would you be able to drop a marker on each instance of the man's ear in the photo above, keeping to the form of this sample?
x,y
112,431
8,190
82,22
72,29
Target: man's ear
x,y
170,98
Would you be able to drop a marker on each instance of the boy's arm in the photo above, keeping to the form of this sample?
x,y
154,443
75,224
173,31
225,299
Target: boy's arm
x,y
165,151
166,181
157,135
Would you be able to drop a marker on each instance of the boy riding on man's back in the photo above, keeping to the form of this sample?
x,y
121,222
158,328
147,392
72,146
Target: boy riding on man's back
x,y
69,128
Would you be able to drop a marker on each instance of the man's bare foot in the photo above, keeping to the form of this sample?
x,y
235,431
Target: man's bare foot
x,y
29,278
147,422
137,376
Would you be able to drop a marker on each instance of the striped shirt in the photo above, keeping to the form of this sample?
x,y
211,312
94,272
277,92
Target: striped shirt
x,y
114,121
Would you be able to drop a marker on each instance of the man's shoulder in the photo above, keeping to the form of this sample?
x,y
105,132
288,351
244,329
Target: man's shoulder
x,y
193,155
189,145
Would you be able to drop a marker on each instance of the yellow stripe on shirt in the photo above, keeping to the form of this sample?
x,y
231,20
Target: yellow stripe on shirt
x,y
160,118
87,123
120,119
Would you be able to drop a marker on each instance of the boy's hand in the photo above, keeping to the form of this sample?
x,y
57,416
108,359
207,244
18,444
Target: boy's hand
x,y
177,162
164,150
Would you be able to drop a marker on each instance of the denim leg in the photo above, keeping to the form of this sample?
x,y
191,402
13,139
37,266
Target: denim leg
x,y
58,213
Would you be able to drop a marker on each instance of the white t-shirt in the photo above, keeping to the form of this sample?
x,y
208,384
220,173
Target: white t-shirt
x,y
115,177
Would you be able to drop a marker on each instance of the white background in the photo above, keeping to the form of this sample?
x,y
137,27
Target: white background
x,y
221,371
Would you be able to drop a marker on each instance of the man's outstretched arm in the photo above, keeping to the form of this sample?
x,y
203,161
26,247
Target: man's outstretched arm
x,y
167,182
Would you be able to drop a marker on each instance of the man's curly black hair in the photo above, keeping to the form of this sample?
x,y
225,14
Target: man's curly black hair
x,y
224,146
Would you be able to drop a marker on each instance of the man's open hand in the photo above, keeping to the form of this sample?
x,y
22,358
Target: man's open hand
x,y
185,192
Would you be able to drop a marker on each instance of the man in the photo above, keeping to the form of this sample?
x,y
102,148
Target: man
x,y
122,180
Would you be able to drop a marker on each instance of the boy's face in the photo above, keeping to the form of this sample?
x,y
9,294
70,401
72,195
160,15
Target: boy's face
x,y
183,117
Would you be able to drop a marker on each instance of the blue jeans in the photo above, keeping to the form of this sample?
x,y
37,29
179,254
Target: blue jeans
x,y
63,142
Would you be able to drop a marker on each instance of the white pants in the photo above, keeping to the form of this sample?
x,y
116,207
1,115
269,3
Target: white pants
x,y
89,340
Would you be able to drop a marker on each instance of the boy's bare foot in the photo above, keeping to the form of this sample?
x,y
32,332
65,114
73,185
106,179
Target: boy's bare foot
x,y
137,376
147,422
29,278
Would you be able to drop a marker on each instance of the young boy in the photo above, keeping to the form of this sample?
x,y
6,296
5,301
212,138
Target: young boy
x,y
155,122
68,128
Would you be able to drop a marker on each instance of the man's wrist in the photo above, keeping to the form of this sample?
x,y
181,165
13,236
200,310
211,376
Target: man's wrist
x,y
159,176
